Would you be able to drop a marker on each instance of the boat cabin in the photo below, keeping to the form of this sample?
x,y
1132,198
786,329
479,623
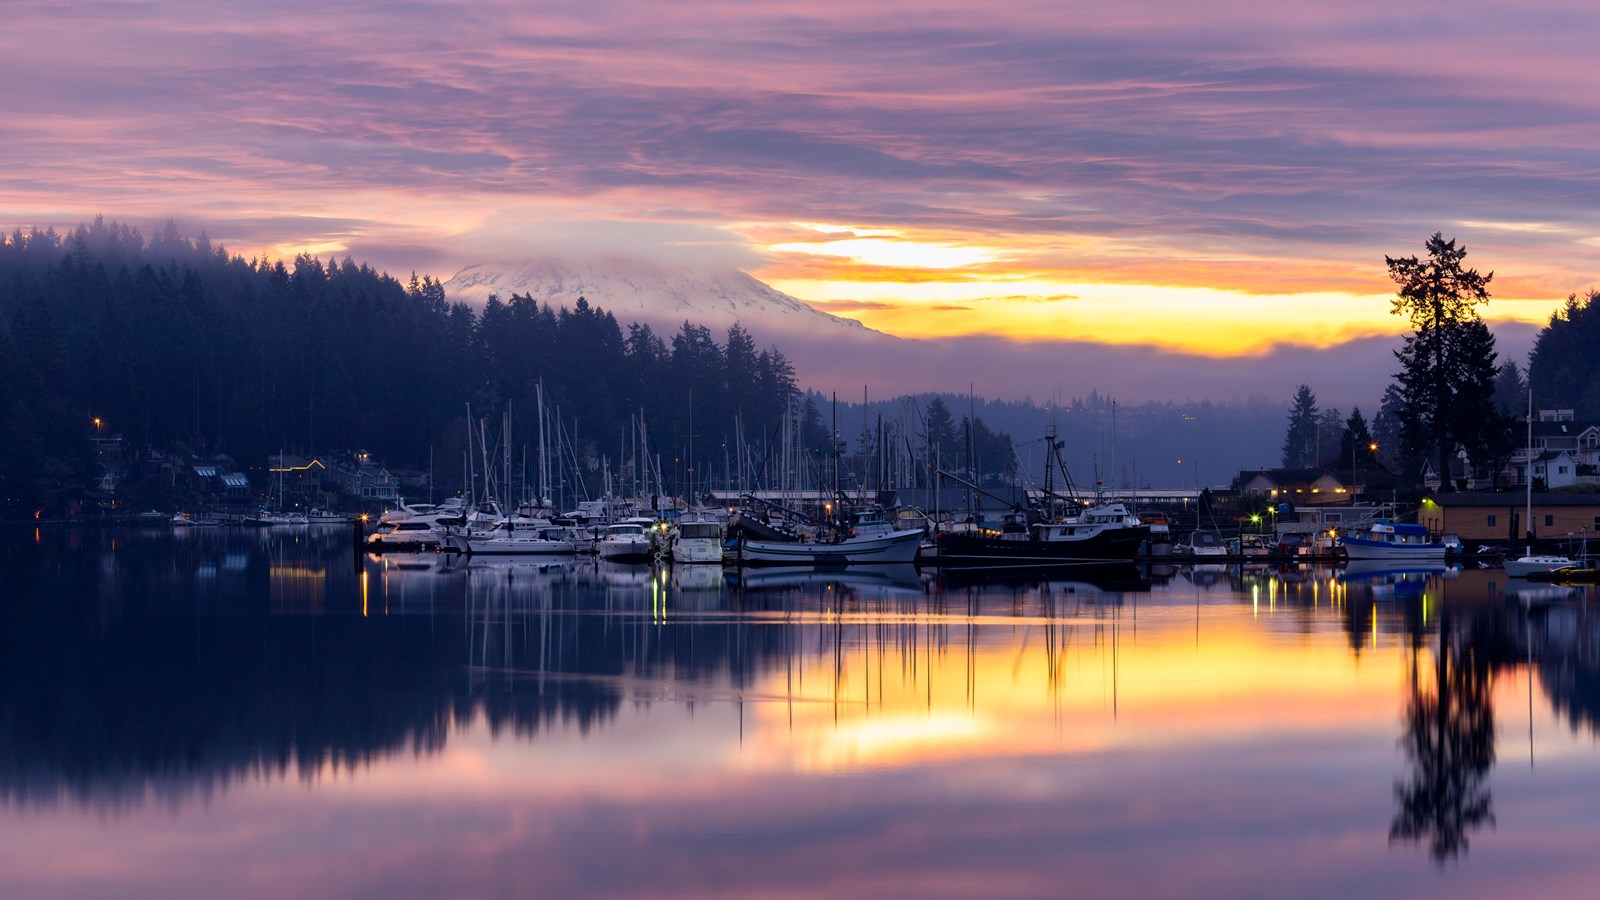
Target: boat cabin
x,y
1399,534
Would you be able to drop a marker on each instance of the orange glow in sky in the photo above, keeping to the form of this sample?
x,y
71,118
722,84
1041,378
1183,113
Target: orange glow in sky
x,y
938,287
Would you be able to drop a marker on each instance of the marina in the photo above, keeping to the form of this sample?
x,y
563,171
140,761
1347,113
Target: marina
x,y
261,691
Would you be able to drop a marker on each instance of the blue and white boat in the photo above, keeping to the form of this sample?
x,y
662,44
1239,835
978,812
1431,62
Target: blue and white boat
x,y
868,542
1393,541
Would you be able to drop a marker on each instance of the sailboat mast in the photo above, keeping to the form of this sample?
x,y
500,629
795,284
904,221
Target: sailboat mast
x,y
544,455
472,476
1527,522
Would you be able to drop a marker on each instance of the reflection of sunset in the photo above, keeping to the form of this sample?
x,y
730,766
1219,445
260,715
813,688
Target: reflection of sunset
x,y
1101,686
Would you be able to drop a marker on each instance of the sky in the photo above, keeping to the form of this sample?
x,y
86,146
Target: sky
x,y
1218,180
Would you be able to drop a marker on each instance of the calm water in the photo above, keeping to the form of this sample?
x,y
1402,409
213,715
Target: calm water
x,y
267,714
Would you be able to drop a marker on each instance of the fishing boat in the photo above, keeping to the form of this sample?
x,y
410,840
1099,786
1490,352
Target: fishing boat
x,y
1160,541
1100,534
872,541
1388,540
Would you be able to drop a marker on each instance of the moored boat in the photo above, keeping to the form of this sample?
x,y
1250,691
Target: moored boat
x,y
1105,533
698,541
868,542
1532,564
1387,540
406,535
625,542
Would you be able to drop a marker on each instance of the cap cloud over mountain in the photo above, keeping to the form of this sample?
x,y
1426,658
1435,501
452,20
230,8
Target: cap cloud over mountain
x,y
658,294
831,353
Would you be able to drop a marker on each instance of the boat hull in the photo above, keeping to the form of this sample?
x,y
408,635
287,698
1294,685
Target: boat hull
x,y
698,551
894,547
423,542
1537,565
624,551
1110,545
500,546
1360,548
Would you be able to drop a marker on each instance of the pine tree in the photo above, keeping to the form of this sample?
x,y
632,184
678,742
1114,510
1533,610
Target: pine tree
x,y
1355,444
1510,390
1300,441
939,437
1447,362
1563,366
1330,427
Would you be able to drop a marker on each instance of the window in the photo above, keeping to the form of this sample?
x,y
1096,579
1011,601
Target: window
x,y
1491,521
1549,521
1339,517
1561,470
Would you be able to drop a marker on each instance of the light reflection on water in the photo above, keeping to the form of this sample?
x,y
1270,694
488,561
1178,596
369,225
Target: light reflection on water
x,y
334,725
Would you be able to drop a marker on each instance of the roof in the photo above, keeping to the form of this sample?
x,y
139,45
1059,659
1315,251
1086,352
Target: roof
x,y
1560,429
236,479
1514,498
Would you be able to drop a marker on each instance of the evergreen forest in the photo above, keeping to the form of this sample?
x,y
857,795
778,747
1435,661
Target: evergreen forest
x,y
179,347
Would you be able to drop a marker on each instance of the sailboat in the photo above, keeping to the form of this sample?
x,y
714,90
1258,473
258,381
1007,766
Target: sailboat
x,y
1531,563
505,535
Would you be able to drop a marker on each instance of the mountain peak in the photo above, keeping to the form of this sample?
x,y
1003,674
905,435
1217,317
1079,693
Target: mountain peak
x,y
659,294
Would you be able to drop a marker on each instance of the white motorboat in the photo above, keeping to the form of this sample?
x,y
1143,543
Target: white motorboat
x,y
405,535
698,541
417,527
1207,543
625,542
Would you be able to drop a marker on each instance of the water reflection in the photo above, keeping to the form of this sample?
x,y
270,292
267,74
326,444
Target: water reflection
x,y
1448,739
1169,700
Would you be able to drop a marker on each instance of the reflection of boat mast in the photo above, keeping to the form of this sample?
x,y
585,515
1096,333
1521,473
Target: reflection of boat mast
x,y
1527,638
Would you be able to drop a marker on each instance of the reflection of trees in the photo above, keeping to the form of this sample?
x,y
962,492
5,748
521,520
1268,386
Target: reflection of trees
x,y
1449,742
1566,639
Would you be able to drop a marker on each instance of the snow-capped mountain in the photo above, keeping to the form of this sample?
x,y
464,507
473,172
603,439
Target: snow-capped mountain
x,y
658,294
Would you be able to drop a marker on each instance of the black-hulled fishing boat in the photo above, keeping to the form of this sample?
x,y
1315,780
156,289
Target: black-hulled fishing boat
x,y
1100,534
